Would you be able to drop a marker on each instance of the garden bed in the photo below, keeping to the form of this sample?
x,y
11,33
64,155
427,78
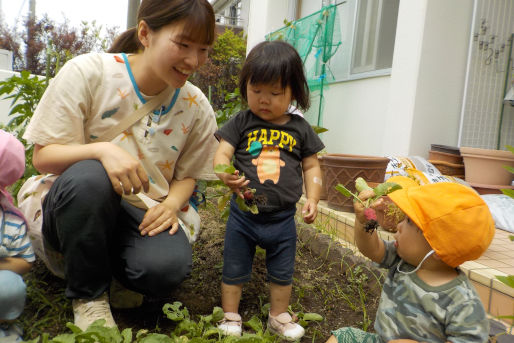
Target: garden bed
x,y
329,280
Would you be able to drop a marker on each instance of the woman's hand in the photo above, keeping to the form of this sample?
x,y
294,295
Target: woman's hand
x,y
159,218
125,172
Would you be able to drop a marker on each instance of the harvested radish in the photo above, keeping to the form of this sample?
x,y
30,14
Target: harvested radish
x,y
369,213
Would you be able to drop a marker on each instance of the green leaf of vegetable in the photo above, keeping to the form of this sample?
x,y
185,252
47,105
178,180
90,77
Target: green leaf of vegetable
x,y
386,188
313,317
361,185
242,205
255,324
217,314
127,335
173,312
223,200
344,191
156,338
225,213
318,129
254,209
223,168
211,332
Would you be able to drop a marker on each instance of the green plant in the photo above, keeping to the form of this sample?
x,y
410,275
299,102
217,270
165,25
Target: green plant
x,y
25,91
218,77
249,203
232,105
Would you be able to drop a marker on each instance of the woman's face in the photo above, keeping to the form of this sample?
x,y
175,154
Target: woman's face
x,y
172,56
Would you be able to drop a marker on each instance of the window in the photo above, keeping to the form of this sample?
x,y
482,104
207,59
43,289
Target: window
x,y
374,35
367,34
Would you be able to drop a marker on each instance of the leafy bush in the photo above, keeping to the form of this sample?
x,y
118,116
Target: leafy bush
x,y
233,104
25,91
218,77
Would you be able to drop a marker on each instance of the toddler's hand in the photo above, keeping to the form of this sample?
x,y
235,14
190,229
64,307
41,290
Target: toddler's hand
x,y
235,182
310,211
359,208
388,214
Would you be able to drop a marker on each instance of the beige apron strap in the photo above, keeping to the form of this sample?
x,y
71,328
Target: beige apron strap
x,y
127,122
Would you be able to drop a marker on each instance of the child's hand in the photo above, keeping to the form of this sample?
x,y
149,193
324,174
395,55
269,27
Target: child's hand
x,y
388,214
310,211
235,182
359,208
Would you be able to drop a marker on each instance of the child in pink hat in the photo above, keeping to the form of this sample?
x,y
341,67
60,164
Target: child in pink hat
x,y
16,254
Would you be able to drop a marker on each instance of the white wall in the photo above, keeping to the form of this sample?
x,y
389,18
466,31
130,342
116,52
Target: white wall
x,y
5,105
265,16
309,6
441,77
428,75
354,115
6,59
418,105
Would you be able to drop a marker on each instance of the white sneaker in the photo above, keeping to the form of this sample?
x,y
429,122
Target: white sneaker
x,y
231,324
87,311
123,298
284,326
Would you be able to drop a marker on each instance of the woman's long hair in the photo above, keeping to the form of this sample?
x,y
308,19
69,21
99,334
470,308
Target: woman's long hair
x,y
198,16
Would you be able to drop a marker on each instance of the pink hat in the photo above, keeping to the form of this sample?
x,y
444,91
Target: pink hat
x,y
12,159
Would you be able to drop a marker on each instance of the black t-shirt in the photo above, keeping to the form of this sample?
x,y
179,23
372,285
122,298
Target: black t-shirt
x,y
270,156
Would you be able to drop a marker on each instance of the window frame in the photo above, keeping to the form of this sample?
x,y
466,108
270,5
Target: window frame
x,y
343,68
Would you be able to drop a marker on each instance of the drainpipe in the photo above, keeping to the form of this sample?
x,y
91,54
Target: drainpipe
x,y
468,68
505,86
133,6
292,13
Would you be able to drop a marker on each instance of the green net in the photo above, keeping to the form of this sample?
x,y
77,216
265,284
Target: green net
x,y
316,38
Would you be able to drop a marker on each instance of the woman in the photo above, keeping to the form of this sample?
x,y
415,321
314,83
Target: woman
x,y
114,209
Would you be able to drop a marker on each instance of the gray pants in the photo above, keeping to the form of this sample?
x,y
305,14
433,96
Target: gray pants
x,y
97,233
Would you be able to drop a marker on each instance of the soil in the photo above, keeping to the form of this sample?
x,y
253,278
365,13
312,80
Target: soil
x,y
328,280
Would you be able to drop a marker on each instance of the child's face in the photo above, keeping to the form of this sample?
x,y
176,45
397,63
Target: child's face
x,y
410,243
269,101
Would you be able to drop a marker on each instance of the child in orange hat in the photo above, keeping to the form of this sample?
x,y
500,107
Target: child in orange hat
x,y
426,297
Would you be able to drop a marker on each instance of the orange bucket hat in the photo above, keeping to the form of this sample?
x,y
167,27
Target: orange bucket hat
x,y
454,219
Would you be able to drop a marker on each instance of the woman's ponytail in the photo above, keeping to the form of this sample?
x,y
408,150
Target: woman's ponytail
x,y
126,42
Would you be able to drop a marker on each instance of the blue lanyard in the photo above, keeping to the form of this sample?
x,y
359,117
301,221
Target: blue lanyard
x,y
162,110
